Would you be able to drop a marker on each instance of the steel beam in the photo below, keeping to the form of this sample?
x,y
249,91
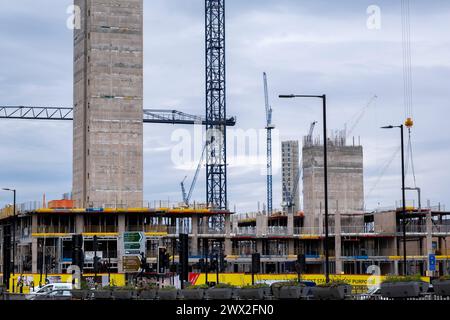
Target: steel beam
x,y
65,113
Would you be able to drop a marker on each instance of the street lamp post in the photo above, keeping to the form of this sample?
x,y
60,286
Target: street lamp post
x,y
403,194
14,229
325,173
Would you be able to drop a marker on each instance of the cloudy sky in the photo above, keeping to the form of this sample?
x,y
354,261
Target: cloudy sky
x,y
305,46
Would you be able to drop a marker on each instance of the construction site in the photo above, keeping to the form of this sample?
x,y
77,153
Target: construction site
x,y
329,232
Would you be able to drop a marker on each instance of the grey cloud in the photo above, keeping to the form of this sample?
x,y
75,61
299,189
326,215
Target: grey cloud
x,y
325,49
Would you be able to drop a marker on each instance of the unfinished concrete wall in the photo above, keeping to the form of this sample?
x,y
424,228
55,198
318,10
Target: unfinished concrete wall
x,y
108,104
345,181
385,222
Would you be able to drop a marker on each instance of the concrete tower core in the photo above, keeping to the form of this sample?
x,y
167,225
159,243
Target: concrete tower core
x,y
290,172
345,178
108,104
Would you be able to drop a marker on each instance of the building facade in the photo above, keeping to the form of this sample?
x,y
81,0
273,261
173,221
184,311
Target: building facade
x,y
108,104
372,239
290,169
345,178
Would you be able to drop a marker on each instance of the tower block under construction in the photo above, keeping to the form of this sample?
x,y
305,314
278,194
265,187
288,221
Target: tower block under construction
x,y
108,104
290,174
345,178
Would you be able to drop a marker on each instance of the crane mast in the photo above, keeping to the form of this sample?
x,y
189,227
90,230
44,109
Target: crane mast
x,y
269,127
216,157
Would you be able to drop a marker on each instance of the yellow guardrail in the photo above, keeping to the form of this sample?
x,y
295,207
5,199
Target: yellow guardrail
x,y
241,279
32,279
8,211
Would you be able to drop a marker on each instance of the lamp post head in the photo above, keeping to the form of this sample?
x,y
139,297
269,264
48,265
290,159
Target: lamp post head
x,y
391,127
286,96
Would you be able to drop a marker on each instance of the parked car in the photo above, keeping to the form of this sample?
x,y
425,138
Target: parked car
x,y
373,293
50,287
58,294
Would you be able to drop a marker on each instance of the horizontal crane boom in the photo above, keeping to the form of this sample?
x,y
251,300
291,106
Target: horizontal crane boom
x,y
65,113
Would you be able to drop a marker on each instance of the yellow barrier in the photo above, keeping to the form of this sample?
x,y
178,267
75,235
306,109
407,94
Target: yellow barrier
x,y
241,279
31,279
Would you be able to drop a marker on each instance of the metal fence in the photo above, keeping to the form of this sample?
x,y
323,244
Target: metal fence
x,y
377,297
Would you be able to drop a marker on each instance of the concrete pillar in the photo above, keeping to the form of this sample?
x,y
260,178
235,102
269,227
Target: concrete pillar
x,y
79,223
34,244
259,247
34,254
120,252
337,242
290,224
291,247
396,267
234,223
58,251
228,247
194,221
261,225
429,239
320,228
194,239
227,225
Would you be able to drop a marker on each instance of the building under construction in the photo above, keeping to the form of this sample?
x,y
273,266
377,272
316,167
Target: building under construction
x,y
107,201
357,240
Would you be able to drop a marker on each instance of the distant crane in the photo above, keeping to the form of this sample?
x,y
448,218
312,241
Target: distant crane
x,y
289,204
309,137
269,127
360,114
187,196
183,192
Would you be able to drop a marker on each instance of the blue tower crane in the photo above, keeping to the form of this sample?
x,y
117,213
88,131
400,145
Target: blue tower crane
x,y
269,127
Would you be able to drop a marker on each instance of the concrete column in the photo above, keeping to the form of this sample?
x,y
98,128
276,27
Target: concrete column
x,y
79,223
291,247
320,228
261,225
234,223
121,230
337,241
194,239
228,229
34,254
227,225
228,247
394,249
259,247
34,244
396,267
58,251
194,221
429,239
290,224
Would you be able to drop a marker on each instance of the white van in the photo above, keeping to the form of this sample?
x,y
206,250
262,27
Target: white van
x,y
50,287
